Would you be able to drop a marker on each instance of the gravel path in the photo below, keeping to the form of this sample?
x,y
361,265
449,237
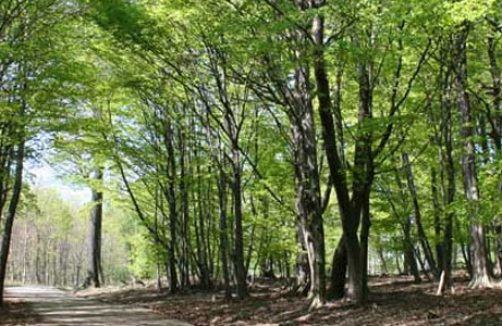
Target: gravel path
x,y
57,307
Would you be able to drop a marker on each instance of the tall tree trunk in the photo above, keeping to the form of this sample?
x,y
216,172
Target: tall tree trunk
x,y
496,133
448,167
437,216
480,277
363,162
224,246
37,260
185,210
96,216
170,194
497,93
350,217
409,252
240,272
12,209
307,184
418,216
443,189
203,232
25,254
232,128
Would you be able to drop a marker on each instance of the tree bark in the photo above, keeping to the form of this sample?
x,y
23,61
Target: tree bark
x,y
240,272
185,210
338,271
418,216
350,217
448,166
96,216
480,277
224,247
307,183
12,209
170,194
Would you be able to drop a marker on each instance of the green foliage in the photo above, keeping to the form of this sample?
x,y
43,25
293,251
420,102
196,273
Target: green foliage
x,y
114,83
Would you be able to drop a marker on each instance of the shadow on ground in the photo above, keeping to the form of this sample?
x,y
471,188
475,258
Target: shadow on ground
x,y
56,307
393,301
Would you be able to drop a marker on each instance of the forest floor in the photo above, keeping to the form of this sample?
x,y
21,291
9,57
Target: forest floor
x,y
17,312
393,301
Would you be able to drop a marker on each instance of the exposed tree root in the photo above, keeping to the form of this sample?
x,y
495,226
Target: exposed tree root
x,y
484,282
316,303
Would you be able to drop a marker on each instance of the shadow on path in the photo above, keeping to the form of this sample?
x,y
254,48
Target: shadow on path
x,y
56,307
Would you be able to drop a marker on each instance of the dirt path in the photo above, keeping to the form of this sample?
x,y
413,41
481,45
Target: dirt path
x,y
56,307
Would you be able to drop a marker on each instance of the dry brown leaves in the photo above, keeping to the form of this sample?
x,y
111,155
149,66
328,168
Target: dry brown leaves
x,y
15,312
393,302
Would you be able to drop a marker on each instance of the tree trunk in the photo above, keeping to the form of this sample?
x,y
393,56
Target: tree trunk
x,y
25,254
437,216
96,215
338,271
409,252
307,184
480,277
240,273
496,133
383,264
448,167
350,216
11,212
364,236
171,199
203,234
302,270
224,247
496,120
185,209
418,217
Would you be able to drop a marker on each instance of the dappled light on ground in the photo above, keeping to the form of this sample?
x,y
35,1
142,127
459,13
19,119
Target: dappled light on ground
x,y
55,307
393,301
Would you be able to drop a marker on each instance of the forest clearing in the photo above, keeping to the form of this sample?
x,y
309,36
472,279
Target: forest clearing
x,y
260,161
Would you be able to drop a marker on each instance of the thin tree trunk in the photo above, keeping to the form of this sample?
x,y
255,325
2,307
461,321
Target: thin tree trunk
x,y
25,253
398,265
240,272
409,252
12,209
437,216
170,194
37,259
96,216
185,230
418,216
383,264
447,173
222,196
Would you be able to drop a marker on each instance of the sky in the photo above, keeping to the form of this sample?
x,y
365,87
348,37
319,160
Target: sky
x,y
43,175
